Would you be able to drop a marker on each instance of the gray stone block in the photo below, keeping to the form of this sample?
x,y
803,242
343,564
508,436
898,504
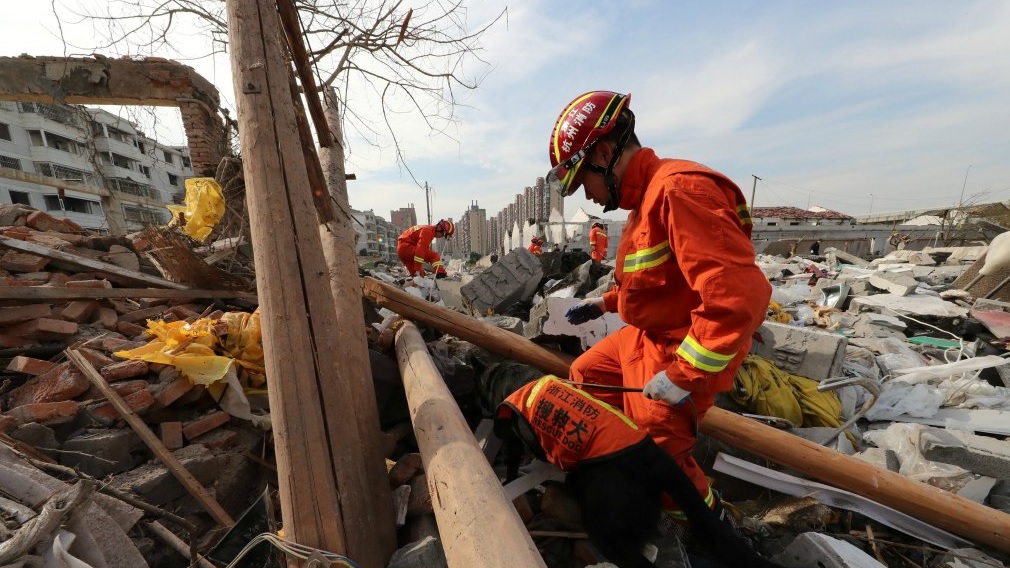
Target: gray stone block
x,y
893,282
804,351
815,549
512,279
102,452
425,553
982,455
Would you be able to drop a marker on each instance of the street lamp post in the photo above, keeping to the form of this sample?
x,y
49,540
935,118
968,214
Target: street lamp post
x,y
871,206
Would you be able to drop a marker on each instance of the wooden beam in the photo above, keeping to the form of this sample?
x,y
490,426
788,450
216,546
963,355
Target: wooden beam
x,y
179,471
109,270
33,293
324,482
940,508
478,523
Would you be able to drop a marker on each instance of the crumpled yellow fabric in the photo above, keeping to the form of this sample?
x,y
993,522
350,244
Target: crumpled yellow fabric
x,y
202,209
763,388
205,349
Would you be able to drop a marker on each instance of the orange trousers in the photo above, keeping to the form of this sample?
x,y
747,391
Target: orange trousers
x,y
630,358
406,254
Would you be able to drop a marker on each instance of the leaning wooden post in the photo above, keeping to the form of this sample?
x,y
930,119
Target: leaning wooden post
x,y
478,524
940,508
324,480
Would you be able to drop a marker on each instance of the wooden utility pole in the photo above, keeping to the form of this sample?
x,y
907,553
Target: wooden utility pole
x,y
326,494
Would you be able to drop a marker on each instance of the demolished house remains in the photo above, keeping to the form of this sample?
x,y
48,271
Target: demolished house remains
x,y
232,394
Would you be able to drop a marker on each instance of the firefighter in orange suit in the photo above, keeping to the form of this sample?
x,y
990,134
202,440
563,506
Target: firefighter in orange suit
x,y
598,242
686,281
414,247
535,244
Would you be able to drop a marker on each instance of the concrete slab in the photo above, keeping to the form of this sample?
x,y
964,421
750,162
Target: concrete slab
x,y
815,549
512,279
804,351
547,319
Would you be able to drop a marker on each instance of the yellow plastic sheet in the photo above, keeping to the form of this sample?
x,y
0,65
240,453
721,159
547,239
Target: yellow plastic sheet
x,y
205,349
202,209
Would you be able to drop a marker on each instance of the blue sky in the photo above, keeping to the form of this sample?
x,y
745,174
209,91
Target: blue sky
x,y
856,106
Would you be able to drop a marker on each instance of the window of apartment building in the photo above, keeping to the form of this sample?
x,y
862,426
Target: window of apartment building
x,y
169,158
20,197
145,215
146,171
173,179
133,188
60,113
9,162
186,163
5,132
64,173
73,205
55,141
142,147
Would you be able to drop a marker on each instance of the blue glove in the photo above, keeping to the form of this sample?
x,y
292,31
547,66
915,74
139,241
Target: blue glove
x,y
660,387
588,309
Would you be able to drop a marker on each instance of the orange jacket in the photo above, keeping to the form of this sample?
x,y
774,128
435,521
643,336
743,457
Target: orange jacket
x,y
685,269
535,249
598,243
571,425
419,237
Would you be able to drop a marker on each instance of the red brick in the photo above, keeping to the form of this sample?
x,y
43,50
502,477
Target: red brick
x,y
17,314
106,317
138,402
124,370
113,344
19,233
45,412
96,357
70,226
130,329
14,341
16,261
173,391
140,244
29,365
218,439
122,306
79,311
201,426
43,221
11,281
142,315
184,312
62,383
171,435
44,328
7,423
36,278
123,388
59,279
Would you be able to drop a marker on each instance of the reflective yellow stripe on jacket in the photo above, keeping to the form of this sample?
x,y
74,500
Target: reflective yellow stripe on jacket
x,y
647,258
696,354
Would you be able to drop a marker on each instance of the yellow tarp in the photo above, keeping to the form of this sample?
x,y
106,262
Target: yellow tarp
x,y
203,208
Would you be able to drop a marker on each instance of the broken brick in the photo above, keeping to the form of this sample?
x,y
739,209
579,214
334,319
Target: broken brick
x,y
17,314
7,340
63,382
42,221
95,357
171,435
88,284
48,413
44,328
129,329
220,439
142,314
7,423
205,424
138,402
124,370
79,311
106,317
16,261
29,365
122,388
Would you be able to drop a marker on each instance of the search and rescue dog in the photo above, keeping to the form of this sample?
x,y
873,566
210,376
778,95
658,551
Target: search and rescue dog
x,y
617,473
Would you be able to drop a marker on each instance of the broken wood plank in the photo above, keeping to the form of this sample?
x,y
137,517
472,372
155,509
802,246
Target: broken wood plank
x,y
471,504
33,293
942,509
190,483
111,271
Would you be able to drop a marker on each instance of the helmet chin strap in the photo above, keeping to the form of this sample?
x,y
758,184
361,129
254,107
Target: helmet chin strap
x,y
609,177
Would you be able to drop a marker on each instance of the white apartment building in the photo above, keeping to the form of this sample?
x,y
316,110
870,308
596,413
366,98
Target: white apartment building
x,y
88,165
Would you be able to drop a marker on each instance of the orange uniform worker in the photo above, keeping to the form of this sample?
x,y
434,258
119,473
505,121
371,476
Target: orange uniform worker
x,y
414,247
598,242
535,244
686,281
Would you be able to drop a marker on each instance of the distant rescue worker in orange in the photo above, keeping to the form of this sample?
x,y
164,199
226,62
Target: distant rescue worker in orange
x,y
598,242
686,281
414,247
535,246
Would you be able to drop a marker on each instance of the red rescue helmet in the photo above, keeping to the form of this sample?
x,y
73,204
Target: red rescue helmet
x,y
446,226
579,127
598,225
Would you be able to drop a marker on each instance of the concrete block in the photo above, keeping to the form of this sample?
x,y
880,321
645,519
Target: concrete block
x,y
804,351
978,454
153,483
102,452
815,549
450,292
425,553
893,282
508,323
547,319
512,279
